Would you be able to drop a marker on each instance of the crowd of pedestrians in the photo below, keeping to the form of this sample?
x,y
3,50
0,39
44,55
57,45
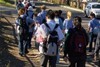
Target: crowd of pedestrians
x,y
52,31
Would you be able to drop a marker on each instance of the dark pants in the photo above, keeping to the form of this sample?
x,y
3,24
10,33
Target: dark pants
x,y
79,61
93,39
99,63
44,60
22,44
29,39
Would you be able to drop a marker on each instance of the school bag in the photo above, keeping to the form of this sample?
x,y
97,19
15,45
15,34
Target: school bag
x,y
23,27
51,47
39,35
78,42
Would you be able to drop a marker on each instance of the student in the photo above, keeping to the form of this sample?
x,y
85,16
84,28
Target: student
x,y
37,18
75,44
43,13
26,4
30,12
60,15
58,20
19,5
48,47
68,22
23,27
92,26
22,36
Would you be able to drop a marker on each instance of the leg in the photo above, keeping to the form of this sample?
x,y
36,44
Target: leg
x,y
72,61
30,38
20,45
43,60
52,61
25,47
81,62
91,41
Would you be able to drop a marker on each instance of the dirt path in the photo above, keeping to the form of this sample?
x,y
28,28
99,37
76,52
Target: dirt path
x,y
8,46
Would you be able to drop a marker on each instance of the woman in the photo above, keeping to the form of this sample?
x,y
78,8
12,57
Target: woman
x,y
68,22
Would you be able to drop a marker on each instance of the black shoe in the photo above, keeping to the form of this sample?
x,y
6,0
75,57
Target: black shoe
x,y
21,54
26,52
29,47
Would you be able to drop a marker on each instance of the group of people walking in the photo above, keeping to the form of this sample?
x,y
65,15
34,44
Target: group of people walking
x,y
51,30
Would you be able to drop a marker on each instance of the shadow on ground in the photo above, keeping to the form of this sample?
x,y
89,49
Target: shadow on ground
x,y
6,42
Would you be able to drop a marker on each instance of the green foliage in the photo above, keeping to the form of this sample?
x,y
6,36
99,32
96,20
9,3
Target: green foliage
x,y
8,3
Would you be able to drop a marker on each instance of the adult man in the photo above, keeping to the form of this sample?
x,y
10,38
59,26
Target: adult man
x,y
44,51
75,44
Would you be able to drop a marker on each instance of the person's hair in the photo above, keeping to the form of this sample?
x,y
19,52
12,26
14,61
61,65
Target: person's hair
x,y
60,12
77,21
69,14
56,13
92,14
50,14
21,11
43,7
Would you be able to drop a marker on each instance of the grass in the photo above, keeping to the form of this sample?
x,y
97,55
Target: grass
x,y
7,3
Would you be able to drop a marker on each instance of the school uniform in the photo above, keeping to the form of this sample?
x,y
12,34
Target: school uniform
x,y
92,24
31,30
44,58
68,23
22,42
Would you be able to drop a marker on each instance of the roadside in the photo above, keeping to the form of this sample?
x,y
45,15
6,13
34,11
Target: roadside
x,y
68,7
8,3
9,47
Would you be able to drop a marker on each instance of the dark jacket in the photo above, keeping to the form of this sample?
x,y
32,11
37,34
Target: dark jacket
x,y
68,49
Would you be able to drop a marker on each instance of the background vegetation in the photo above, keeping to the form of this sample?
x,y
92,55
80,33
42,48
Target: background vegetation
x,y
7,3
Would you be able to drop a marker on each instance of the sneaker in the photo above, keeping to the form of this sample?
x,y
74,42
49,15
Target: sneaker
x,y
21,54
26,52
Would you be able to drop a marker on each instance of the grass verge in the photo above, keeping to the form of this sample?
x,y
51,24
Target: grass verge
x,y
7,3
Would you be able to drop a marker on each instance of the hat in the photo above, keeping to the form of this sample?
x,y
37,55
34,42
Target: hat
x,y
30,8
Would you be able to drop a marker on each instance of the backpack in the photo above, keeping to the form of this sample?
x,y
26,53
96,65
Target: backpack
x,y
51,47
23,27
78,42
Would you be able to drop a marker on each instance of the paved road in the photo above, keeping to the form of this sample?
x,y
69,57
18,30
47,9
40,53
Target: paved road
x,y
74,12
13,12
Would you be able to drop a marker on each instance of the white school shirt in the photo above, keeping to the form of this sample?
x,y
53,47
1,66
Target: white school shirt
x,y
51,24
